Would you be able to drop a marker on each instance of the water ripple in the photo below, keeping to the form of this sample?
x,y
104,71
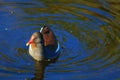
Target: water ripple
x,y
88,32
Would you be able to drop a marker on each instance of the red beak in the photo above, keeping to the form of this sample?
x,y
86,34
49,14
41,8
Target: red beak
x,y
30,41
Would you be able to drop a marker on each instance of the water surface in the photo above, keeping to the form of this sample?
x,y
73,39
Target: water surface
x,y
88,31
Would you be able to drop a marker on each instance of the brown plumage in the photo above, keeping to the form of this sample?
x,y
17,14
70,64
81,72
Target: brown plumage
x,y
48,36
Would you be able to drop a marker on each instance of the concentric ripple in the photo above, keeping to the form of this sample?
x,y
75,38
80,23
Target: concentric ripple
x,y
88,32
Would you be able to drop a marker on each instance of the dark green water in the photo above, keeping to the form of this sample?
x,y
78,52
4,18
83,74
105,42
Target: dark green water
x,y
88,31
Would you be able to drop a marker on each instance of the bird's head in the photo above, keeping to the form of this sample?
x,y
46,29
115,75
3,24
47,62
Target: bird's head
x,y
35,38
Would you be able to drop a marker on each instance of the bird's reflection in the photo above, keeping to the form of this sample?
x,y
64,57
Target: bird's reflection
x,y
39,68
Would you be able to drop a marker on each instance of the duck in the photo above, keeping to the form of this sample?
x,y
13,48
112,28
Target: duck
x,y
43,45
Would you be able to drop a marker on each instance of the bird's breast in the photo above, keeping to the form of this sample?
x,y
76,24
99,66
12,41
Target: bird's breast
x,y
36,52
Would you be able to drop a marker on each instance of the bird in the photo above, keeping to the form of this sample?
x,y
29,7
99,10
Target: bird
x,y
43,45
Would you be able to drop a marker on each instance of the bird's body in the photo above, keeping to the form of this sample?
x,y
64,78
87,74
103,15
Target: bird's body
x,y
43,45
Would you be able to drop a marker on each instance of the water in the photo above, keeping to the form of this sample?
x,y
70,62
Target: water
x,y
88,31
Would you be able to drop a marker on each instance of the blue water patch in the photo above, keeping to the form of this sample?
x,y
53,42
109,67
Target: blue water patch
x,y
101,12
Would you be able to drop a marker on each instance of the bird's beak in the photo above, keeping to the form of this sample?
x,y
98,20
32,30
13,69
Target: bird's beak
x,y
30,41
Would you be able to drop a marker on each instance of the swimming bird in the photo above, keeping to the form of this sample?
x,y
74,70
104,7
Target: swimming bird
x,y
43,45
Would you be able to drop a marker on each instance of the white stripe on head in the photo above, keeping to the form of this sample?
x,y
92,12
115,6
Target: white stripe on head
x,y
41,29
